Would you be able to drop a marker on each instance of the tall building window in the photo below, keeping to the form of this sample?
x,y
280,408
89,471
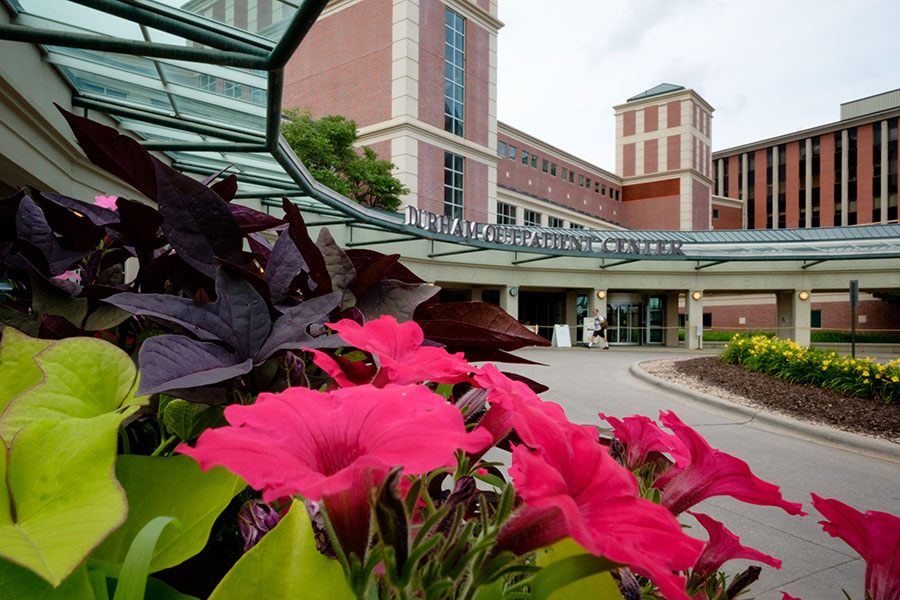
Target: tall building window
x,y
770,160
454,71
587,184
534,160
545,166
453,185
892,169
501,148
565,173
553,169
725,177
233,90
782,174
816,173
575,226
506,214
581,181
571,176
876,172
512,152
838,168
524,158
851,176
554,222
740,174
751,190
801,196
532,218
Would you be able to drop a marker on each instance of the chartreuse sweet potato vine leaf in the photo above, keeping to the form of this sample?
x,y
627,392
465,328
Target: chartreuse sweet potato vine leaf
x,y
18,583
58,440
285,564
148,483
570,573
18,371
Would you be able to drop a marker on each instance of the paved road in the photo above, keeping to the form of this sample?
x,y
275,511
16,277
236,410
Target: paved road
x,y
816,566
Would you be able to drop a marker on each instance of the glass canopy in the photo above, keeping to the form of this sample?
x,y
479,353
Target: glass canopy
x,y
200,80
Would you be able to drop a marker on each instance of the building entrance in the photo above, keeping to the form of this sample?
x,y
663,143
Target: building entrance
x,y
624,323
544,309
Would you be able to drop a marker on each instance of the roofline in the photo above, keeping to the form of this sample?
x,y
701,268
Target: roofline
x,y
805,133
653,99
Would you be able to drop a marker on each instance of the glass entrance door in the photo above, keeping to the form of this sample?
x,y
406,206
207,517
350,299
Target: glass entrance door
x,y
624,323
654,320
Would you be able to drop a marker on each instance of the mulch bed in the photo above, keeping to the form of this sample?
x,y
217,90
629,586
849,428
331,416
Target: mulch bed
x,y
804,402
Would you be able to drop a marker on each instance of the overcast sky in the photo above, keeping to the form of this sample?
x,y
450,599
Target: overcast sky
x,y
768,67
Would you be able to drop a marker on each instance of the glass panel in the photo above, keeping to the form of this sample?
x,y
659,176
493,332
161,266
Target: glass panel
x,y
267,18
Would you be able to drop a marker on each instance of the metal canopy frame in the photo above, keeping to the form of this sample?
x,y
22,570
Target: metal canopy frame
x,y
152,84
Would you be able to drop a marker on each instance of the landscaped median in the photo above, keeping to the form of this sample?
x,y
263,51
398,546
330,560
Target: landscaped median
x,y
825,368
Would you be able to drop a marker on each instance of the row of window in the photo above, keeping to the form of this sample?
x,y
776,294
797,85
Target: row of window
x,y
509,151
506,215
777,163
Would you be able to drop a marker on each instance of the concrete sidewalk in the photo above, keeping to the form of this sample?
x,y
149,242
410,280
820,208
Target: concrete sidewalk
x,y
800,458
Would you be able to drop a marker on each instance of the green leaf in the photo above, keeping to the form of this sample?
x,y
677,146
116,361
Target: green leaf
x,y
133,577
61,498
285,564
169,486
48,299
18,583
569,573
18,371
59,446
82,378
178,418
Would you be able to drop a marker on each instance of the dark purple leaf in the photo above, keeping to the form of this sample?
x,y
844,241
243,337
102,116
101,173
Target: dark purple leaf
x,y
9,207
372,274
54,327
115,153
239,316
285,263
226,188
251,275
474,355
362,258
177,361
32,227
140,224
475,325
168,273
537,388
261,247
96,214
250,220
73,231
316,271
210,178
290,331
197,223
337,262
395,298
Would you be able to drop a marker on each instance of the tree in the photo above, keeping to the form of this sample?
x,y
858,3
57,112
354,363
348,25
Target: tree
x,y
326,148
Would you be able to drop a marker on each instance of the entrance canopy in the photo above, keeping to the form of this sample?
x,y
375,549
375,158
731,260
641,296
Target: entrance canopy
x,y
204,87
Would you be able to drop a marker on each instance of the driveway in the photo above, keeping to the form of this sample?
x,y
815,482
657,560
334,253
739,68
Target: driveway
x,y
816,566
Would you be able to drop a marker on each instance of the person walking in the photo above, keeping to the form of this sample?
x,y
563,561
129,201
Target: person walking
x,y
599,330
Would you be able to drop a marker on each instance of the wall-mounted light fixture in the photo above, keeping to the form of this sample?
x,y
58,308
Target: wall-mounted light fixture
x,y
513,291
697,295
804,295
601,294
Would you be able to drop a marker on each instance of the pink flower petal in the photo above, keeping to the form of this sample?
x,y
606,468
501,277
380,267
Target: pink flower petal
x,y
874,535
708,472
721,547
69,276
399,348
106,202
641,436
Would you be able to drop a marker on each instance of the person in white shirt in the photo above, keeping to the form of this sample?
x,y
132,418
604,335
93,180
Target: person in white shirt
x,y
599,329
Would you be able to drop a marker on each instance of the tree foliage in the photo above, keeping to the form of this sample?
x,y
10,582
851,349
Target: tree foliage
x,y
326,148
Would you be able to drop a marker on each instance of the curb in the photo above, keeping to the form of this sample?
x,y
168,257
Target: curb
x,y
851,442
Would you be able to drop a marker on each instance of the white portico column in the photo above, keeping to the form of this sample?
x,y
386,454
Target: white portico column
x,y
509,300
794,316
693,320
670,320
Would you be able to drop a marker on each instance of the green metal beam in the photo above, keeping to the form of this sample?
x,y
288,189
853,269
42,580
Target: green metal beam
x,y
299,26
806,265
528,260
329,222
263,194
163,120
199,170
452,252
204,147
19,33
410,238
176,22
712,264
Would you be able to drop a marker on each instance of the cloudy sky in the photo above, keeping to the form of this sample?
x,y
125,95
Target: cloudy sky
x,y
768,67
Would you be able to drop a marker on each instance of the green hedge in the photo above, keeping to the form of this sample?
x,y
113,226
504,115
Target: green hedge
x,y
787,360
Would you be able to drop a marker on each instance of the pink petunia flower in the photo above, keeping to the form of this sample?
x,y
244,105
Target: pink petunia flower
x,y
641,436
398,347
106,202
875,536
705,472
69,276
336,446
571,486
786,596
721,547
